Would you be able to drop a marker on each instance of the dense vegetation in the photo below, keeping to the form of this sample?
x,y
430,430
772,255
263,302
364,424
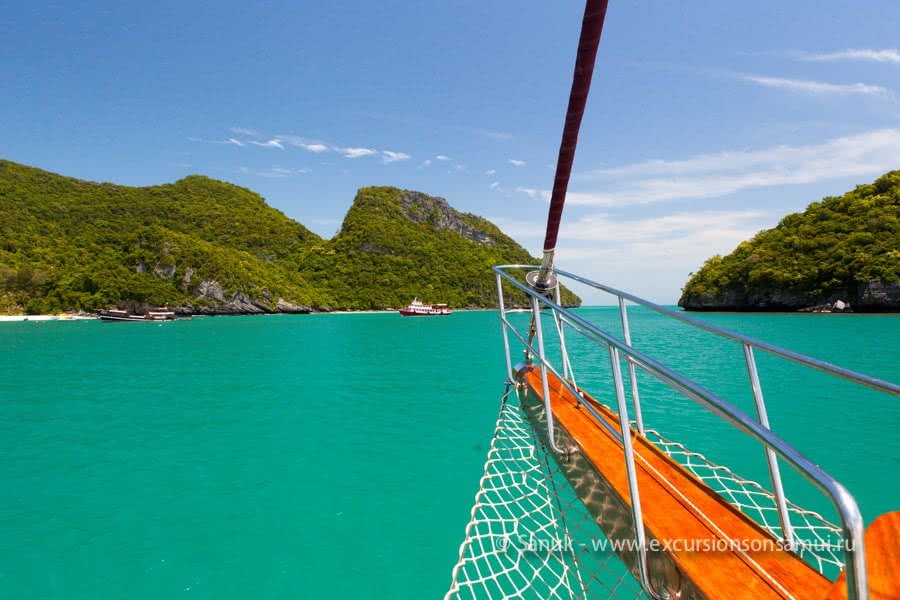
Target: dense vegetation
x,y
67,244
395,244
845,247
72,244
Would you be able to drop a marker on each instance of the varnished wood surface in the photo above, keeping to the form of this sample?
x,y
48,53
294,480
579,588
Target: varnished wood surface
x,y
673,503
882,560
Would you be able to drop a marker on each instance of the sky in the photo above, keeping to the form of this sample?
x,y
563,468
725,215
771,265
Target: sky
x,y
707,121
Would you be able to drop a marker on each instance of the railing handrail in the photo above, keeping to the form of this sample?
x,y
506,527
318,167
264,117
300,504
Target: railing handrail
x,y
848,511
814,363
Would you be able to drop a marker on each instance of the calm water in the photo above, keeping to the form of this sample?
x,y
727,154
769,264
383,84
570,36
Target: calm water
x,y
338,455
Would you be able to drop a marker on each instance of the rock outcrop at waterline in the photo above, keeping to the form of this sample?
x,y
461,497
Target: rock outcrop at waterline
x,y
219,301
873,296
843,249
201,246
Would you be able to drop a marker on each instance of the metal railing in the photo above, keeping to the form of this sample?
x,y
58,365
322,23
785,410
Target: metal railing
x,y
850,517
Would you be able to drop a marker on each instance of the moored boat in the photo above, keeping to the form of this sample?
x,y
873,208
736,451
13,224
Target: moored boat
x,y
419,309
123,315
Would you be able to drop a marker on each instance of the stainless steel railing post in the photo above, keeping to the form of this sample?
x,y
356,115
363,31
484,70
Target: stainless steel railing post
x,y
562,339
509,371
784,516
632,375
545,386
633,491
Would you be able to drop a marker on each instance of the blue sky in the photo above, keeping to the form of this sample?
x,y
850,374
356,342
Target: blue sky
x,y
707,121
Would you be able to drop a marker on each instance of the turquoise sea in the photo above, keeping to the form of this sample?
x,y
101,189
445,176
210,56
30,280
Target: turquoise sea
x,y
338,455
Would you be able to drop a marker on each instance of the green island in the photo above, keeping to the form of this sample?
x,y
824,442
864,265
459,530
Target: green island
x,y
203,246
839,251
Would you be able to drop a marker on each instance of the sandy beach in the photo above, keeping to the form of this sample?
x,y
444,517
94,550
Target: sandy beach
x,y
16,318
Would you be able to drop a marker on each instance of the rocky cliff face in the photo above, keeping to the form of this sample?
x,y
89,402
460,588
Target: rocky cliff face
x,y
434,210
879,296
219,301
873,296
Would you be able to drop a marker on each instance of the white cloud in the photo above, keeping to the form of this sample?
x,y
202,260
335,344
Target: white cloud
x,y
442,157
287,172
227,142
294,140
244,131
495,185
459,168
273,143
535,194
516,163
355,152
390,156
274,172
718,224
713,175
300,142
491,172
426,163
818,88
888,55
651,256
601,229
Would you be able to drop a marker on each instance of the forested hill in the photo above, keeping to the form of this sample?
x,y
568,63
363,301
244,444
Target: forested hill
x,y
843,248
396,244
208,246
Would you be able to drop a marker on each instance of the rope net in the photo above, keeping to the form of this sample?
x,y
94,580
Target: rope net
x,y
818,541
530,536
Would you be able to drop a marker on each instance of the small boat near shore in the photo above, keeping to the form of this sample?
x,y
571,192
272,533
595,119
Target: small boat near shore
x,y
419,309
122,315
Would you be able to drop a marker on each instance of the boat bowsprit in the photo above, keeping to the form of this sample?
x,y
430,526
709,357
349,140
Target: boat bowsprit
x,y
580,498
569,507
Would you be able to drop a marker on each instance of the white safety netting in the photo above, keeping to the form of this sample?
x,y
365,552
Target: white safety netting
x,y
818,541
529,535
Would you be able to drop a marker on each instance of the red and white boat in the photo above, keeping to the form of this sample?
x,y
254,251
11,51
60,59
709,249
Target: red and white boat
x,y
418,309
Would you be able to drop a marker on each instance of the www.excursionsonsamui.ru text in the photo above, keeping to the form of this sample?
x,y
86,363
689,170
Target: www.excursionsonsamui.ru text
x,y
530,544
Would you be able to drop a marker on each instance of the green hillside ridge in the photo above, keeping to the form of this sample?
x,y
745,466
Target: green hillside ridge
x,y
396,244
208,246
843,248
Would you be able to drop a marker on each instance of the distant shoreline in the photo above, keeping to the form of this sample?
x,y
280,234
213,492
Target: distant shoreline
x,y
20,318
88,317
